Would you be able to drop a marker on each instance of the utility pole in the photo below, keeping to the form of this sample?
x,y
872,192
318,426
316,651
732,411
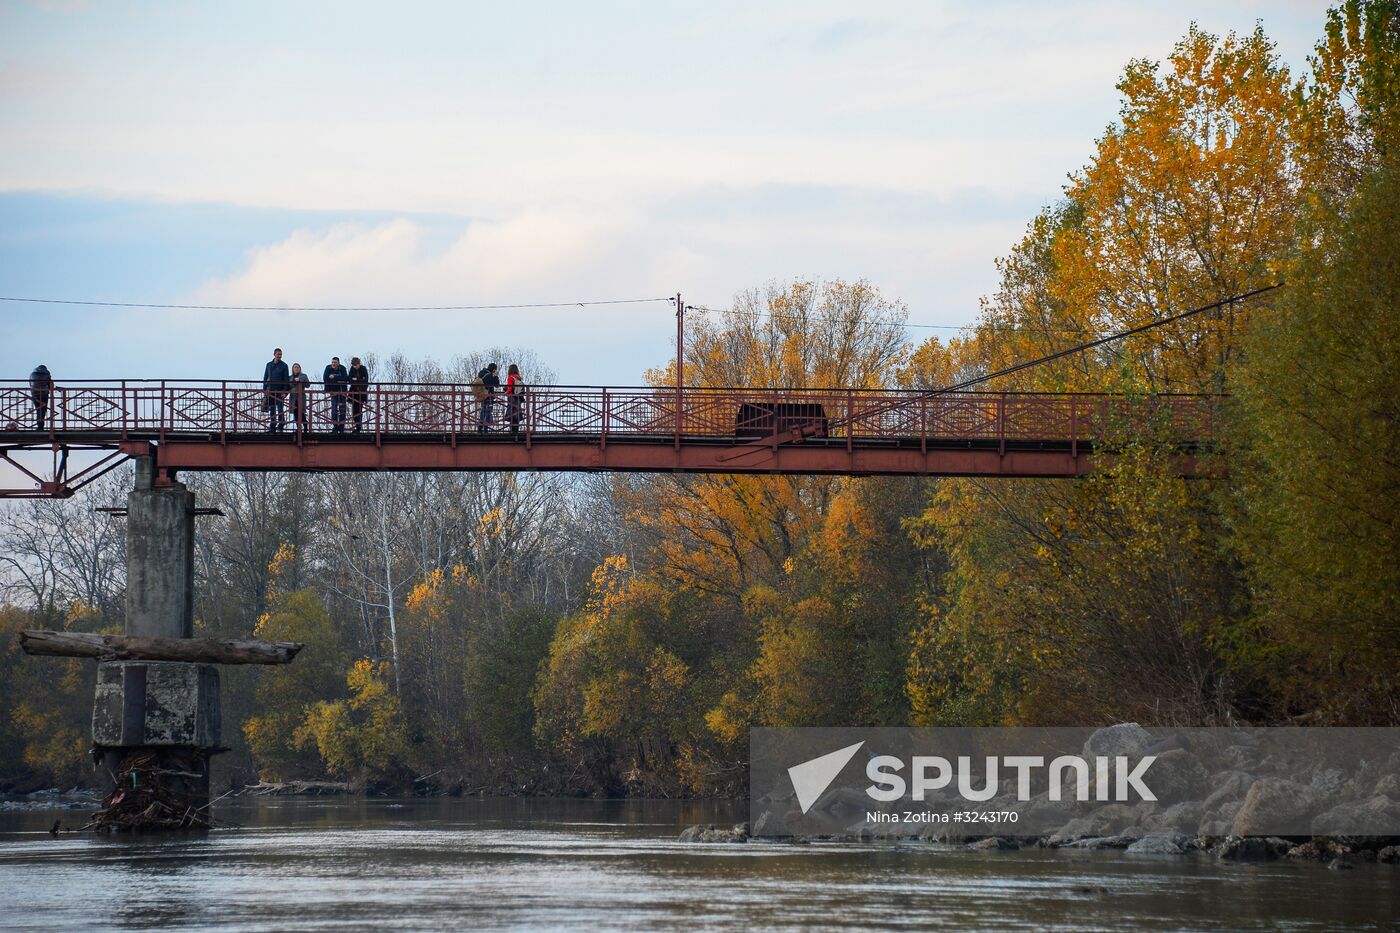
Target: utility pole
x,y
680,365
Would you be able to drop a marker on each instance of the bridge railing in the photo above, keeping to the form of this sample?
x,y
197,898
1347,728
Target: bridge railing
x,y
235,409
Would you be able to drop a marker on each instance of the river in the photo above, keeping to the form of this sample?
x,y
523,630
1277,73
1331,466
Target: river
x,y
324,864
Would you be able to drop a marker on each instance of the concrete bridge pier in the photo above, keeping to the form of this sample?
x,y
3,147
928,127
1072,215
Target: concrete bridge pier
x,y
155,724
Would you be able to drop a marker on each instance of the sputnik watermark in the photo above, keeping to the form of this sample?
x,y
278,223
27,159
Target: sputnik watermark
x,y
890,785
1122,781
810,779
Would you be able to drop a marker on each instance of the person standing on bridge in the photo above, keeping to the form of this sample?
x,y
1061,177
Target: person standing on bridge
x,y
490,382
40,385
301,405
359,391
276,383
515,392
336,380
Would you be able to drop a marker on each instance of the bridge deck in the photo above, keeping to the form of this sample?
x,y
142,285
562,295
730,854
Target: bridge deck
x,y
224,426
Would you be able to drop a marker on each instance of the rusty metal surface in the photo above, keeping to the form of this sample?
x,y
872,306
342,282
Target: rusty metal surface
x,y
223,425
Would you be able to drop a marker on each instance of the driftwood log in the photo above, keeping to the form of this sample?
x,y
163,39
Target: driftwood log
x,y
138,648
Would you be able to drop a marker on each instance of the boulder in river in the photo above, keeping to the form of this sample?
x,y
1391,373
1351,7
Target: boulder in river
x,y
712,833
1272,801
1178,775
1357,819
1095,843
1251,849
1168,843
1125,738
992,844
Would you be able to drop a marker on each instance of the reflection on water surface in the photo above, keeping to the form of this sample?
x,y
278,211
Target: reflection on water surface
x,y
492,864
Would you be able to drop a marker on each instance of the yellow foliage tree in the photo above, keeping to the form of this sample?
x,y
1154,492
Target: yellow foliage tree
x,y
283,694
363,736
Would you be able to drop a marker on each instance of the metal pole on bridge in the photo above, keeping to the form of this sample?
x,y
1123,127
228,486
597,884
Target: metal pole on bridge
x,y
680,365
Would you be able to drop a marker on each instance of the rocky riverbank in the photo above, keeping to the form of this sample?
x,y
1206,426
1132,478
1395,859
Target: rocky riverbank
x,y
53,798
1331,796
1338,854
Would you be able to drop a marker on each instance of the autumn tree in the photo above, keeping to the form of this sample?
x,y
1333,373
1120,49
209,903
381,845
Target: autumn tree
x,y
1188,200
363,736
284,695
1347,109
1319,430
1083,601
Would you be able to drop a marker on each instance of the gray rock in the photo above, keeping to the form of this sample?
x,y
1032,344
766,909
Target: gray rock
x,y
1182,817
1338,864
1229,785
739,833
1100,842
1228,810
1274,802
1328,781
1177,775
992,844
1387,786
1125,738
1374,817
1251,849
1169,843
1079,828
1041,811
1390,854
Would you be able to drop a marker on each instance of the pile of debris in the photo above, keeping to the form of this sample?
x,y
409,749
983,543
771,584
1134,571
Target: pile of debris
x,y
147,794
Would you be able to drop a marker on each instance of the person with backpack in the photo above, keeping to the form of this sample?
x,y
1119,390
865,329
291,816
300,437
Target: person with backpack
x,y
335,380
40,386
486,394
515,396
277,381
359,391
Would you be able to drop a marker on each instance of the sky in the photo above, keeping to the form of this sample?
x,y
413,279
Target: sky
x,y
352,154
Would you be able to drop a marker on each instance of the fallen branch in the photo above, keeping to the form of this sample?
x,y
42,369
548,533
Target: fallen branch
x,y
139,648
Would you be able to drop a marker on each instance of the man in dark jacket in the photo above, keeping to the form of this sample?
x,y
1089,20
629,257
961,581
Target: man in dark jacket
x,y
40,385
277,381
492,383
359,390
336,381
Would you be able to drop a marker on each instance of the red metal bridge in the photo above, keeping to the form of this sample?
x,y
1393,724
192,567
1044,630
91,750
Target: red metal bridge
x,y
188,425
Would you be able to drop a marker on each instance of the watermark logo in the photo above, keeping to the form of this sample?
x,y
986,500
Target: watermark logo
x,y
1115,782
811,778
932,773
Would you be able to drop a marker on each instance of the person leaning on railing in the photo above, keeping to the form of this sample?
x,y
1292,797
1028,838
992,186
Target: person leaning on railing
x,y
40,385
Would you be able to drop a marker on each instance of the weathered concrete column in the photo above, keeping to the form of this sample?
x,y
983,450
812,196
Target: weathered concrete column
x,y
159,557
156,723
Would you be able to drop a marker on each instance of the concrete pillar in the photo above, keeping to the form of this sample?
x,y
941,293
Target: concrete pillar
x,y
155,723
159,557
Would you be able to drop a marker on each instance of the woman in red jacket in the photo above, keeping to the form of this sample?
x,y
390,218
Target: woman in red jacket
x,y
515,390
